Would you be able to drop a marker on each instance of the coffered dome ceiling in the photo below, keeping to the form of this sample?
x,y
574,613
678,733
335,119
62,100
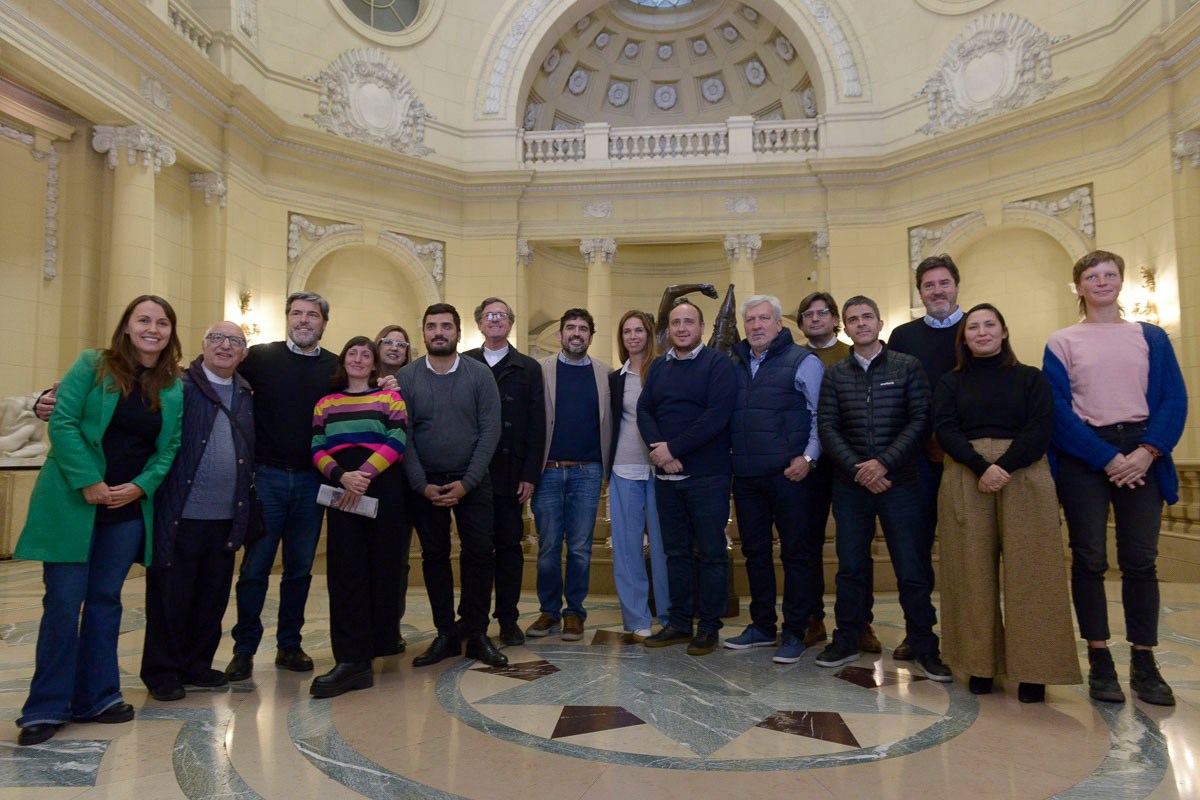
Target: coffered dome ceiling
x,y
669,62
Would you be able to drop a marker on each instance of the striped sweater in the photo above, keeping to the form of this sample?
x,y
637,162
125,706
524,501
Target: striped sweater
x,y
374,419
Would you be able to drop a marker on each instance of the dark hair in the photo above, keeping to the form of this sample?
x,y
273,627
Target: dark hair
x,y
964,358
651,345
408,355
683,301
120,360
861,300
443,308
940,261
827,298
576,313
487,302
340,378
311,297
1094,259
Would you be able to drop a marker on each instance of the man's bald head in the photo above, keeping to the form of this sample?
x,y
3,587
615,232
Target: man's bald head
x,y
223,348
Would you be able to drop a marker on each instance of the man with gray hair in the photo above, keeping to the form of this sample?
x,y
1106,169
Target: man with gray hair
x,y
288,378
775,448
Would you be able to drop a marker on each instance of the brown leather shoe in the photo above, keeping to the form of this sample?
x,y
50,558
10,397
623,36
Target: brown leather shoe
x,y
572,628
869,642
542,626
815,632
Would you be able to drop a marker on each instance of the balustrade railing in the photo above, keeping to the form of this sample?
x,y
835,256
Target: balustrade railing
x,y
189,26
681,141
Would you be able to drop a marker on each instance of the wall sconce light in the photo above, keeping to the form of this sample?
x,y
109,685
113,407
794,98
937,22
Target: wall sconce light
x,y
1145,308
248,324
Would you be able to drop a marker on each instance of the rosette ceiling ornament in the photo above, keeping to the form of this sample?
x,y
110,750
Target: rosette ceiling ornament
x,y
365,97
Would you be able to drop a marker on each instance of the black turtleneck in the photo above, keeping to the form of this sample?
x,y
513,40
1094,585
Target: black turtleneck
x,y
990,401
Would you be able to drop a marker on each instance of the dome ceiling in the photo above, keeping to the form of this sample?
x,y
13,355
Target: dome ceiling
x,y
665,62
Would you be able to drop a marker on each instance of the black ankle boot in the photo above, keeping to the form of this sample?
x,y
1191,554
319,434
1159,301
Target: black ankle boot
x,y
979,685
1102,677
343,678
1031,692
1145,680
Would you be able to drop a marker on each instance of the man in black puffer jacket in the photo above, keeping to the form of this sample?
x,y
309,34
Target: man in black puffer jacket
x,y
873,420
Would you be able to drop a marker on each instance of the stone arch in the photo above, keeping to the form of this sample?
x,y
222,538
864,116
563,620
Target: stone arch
x,y
525,30
409,263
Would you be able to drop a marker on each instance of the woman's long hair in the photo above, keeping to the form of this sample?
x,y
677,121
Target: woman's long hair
x,y
120,360
651,348
340,379
962,353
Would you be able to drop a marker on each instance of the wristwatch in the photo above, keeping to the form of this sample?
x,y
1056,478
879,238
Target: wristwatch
x,y
812,462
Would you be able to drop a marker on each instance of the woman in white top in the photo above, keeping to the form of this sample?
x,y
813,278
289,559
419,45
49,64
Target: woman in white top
x,y
631,484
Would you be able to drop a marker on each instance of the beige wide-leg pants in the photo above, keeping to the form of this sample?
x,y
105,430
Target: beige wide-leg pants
x,y
1034,642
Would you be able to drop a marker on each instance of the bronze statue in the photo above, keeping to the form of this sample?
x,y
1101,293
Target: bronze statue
x,y
725,331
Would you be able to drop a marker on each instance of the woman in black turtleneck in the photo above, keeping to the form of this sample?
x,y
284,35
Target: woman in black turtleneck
x,y
994,417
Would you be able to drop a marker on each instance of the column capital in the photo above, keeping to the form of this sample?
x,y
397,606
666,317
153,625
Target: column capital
x,y
212,184
820,244
742,245
1187,145
137,141
604,249
524,252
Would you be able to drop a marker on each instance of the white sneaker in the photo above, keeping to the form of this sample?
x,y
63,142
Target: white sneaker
x,y
641,634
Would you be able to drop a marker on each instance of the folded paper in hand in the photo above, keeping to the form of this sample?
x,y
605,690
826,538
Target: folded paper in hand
x,y
365,507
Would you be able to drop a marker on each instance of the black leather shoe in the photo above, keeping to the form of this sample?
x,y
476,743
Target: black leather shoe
x,y
343,678
703,643
293,658
241,667
1031,692
208,679
668,636
440,648
979,685
401,645
480,648
168,692
511,634
37,733
114,714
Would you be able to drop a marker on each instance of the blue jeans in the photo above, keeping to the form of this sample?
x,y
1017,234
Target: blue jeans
x,y
900,511
693,514
564,506
291,513
633,511
76,674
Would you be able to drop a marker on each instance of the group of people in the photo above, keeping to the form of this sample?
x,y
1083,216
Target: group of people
x,y
940,430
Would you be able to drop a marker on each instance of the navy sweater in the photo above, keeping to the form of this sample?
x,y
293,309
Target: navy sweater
x,y
687,404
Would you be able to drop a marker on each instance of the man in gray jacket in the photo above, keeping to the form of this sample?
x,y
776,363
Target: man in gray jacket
x,y
454,426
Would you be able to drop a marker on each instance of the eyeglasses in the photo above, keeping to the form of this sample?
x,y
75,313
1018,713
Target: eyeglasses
x,y
234,341
403,345
813,313
493,316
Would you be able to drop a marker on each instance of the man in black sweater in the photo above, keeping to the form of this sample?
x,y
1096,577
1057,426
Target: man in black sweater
x,y
683,416
873,419
517,465
288,378
930,340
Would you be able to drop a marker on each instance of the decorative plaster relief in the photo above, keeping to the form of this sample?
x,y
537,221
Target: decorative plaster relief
x,y
665,97
50,225
508,47
749,13
618,93
951,8
136,140
604,249
524,252
741,205
299,225
699,46
433,253
743,245
784,48
808,100
365,97
1080,198
998,63
665,51
918,238
729,33
602,39
531,115
582,25
248,19
158,95
212,184
551,62
578,81
843,54
1187,145
713,89
820,245
631,50
599,210
755,73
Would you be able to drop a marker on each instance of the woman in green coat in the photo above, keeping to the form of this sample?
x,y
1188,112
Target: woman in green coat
x,y
113,434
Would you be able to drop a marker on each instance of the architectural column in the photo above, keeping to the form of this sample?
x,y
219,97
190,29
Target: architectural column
x,y
598,255
520,333
1186,201
742,249
209,253
131,249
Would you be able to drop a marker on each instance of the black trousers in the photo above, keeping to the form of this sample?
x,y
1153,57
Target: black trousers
x,y
185,603
473,516
364,558
510,558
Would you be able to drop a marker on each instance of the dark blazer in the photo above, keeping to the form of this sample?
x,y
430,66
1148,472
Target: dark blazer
x,y
520,455
201,405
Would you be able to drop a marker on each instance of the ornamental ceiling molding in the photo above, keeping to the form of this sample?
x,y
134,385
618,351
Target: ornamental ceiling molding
x,y
212,184
50,223
1077,202
366,97
1052,217
922,237
1187,146
299,227
604,250
139,143
743,245
999,63
431,254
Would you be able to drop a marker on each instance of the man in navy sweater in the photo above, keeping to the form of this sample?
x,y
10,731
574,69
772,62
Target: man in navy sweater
x,y
683,416
578,431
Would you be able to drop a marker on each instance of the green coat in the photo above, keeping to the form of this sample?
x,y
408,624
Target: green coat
x,y
60,523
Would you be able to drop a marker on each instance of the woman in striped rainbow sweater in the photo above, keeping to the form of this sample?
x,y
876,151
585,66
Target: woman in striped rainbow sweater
x,y
358,439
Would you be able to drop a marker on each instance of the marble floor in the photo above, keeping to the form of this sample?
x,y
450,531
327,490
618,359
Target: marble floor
x,y
604,718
